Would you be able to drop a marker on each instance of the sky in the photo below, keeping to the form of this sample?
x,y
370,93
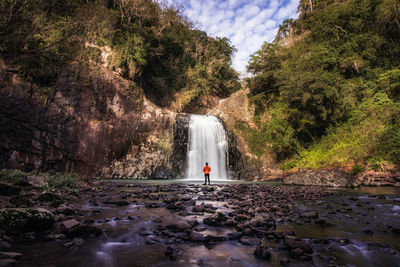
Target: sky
x,y
247,23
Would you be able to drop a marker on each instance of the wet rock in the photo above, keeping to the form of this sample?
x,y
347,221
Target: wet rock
x,y
309,215
284,261
241,218
210,239
10,255
216,219
84,231
65,226
7,262
172,253
26,219
66,209
179,226
9,190
262,253
192,222
196,237
234,236
248,240
207,188
296,253
293,243
199,208
55,236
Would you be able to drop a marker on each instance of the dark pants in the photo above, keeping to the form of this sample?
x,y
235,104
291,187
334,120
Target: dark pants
x,y
207,176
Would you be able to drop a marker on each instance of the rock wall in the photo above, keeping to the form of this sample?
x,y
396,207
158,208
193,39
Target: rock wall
x,y
95,123
88,120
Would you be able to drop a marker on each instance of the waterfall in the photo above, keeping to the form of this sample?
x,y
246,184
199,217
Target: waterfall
x,y
207,143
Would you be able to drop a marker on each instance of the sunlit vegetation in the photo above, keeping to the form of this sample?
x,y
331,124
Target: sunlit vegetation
x,y
334,90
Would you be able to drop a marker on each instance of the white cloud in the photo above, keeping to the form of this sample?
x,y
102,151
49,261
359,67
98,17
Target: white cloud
x,y
248,24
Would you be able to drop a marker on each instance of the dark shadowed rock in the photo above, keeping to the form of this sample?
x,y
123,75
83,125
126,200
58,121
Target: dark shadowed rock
x,y
199,208
196,237
26,219
262,253
248,240
217,219
172,253
309,215
9,190
295,243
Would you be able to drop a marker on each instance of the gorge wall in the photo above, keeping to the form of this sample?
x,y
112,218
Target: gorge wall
x,y
94,123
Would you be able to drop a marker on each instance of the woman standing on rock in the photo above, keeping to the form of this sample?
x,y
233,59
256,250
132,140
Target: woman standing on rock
x,y
206,170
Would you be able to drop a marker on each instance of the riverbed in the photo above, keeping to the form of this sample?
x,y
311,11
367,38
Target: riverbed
x,y
155,223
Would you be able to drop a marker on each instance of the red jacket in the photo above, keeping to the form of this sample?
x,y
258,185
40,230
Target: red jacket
x,y
206,169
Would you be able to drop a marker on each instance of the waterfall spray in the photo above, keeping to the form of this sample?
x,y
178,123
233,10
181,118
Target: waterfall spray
x,y
207,143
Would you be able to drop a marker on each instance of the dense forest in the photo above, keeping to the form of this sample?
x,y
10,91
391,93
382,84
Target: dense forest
x,y
152,44
327,89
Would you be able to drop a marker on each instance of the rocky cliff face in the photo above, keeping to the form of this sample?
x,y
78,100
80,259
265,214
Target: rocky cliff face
x,y
95,123
89,119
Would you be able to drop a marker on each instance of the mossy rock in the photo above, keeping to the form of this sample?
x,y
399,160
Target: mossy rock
x,y
84,231
19,201
50,197
25,219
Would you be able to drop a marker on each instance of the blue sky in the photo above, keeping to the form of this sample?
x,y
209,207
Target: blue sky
x,y
248,24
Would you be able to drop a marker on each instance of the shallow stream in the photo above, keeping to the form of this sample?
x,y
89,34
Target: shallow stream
x,y
354,226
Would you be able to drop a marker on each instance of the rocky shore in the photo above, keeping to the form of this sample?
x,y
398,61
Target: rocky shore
x,y
269,224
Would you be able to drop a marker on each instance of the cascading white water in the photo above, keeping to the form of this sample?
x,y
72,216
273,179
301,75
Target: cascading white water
x,y
207,143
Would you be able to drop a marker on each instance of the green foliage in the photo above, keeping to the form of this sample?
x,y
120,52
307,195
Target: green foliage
x,y
357,168
12,176
333,92
63,181
153,45
257,139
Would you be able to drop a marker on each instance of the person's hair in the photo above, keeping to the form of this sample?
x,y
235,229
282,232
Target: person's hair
x,y
206,163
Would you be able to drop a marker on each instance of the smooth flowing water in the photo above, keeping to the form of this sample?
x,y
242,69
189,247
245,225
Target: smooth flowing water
x,y
207,143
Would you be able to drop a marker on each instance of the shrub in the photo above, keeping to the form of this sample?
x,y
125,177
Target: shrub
x,y
357,168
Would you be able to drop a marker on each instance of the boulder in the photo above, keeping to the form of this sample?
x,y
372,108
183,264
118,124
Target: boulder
x,y
196,237
65,226
217,219
293,243
262,253
322,177
248,240
199,208
34,180
26,219
9,190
